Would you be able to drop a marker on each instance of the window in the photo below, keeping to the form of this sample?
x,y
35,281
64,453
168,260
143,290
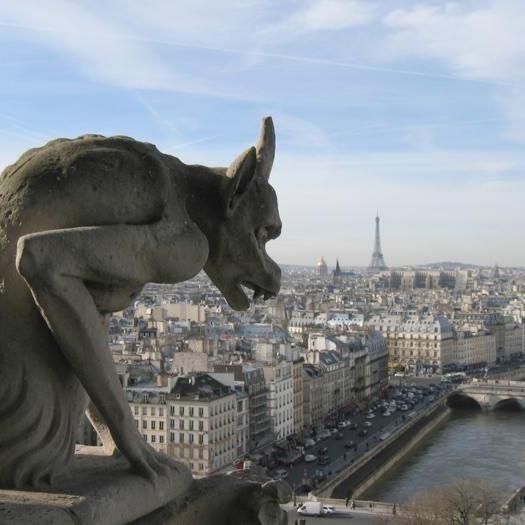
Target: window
x,y
153,438
181,438
201,425
191,438
201,453
136,410
144,411
201,466
153,425
161,425
172,423
181,411
172,437
172,410
144,425
191,424
201,412
191,411
153,411
161,439
201,439
181,424
161,412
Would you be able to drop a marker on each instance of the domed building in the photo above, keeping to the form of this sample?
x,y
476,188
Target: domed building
x,y
322,269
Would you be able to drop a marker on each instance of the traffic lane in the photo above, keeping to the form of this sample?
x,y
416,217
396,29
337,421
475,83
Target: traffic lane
x,y
339,455
418,381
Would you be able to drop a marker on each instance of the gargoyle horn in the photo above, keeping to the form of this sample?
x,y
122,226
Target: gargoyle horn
x,y
265,149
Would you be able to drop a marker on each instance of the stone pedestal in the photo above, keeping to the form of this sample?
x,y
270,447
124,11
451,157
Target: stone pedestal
x,y
103,490
100,490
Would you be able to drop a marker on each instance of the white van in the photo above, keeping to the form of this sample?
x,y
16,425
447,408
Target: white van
x,y
310,508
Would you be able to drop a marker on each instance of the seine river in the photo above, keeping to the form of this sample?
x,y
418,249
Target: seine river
x,y
471,444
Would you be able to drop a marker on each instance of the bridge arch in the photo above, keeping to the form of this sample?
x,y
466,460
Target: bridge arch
x,y
459,399
510,404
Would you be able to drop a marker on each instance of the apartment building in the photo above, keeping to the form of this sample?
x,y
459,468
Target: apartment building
x,y
298,395
279,384
419,342
312,395
202,423
260,427
150,412
475,348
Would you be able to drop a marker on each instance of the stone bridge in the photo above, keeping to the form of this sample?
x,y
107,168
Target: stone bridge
x,y
491,394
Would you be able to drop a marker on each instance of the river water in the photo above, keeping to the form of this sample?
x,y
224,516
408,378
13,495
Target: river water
x,y
470,444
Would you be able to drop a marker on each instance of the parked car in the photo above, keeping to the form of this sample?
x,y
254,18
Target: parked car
x,y
325,434
363,432
367,424
309,443
349,444
310,458
370,416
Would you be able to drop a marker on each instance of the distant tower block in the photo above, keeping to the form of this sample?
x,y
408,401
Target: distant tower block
x,y
378,262
322,269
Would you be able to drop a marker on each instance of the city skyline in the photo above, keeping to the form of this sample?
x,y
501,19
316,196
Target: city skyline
x,y
404,107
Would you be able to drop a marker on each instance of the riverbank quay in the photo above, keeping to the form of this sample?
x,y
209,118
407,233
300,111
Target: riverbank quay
x,y
515,502
360,475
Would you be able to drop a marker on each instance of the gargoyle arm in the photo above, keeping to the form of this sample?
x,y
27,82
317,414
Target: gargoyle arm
x,y
58,266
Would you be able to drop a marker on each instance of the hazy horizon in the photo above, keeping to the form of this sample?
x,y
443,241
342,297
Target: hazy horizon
x,y
408,108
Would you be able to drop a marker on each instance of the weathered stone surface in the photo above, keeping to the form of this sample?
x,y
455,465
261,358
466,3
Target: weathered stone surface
x,y
102,490
84,224
225,500
99,490
18,507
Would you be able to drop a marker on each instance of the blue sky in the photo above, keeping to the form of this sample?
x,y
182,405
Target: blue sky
x,y
415,109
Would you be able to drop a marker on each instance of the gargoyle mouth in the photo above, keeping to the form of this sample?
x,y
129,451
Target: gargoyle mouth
x,y
258,291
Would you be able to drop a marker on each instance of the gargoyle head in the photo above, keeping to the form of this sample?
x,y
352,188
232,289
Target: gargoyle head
x,y
237,254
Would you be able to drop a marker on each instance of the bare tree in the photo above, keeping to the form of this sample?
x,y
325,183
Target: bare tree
x,y
463,502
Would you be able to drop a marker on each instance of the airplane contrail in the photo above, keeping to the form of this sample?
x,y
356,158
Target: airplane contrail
x,y
278,56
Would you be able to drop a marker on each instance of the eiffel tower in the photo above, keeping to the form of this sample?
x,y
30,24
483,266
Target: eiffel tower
x,y
378,262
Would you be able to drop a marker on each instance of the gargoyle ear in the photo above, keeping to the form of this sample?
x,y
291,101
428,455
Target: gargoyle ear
x,y
241,172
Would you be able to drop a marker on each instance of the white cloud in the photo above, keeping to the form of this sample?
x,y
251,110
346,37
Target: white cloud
x,y
331,15
103,48
484,42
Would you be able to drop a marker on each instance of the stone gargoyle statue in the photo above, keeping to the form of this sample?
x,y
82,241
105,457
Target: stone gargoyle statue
x,y
84,225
